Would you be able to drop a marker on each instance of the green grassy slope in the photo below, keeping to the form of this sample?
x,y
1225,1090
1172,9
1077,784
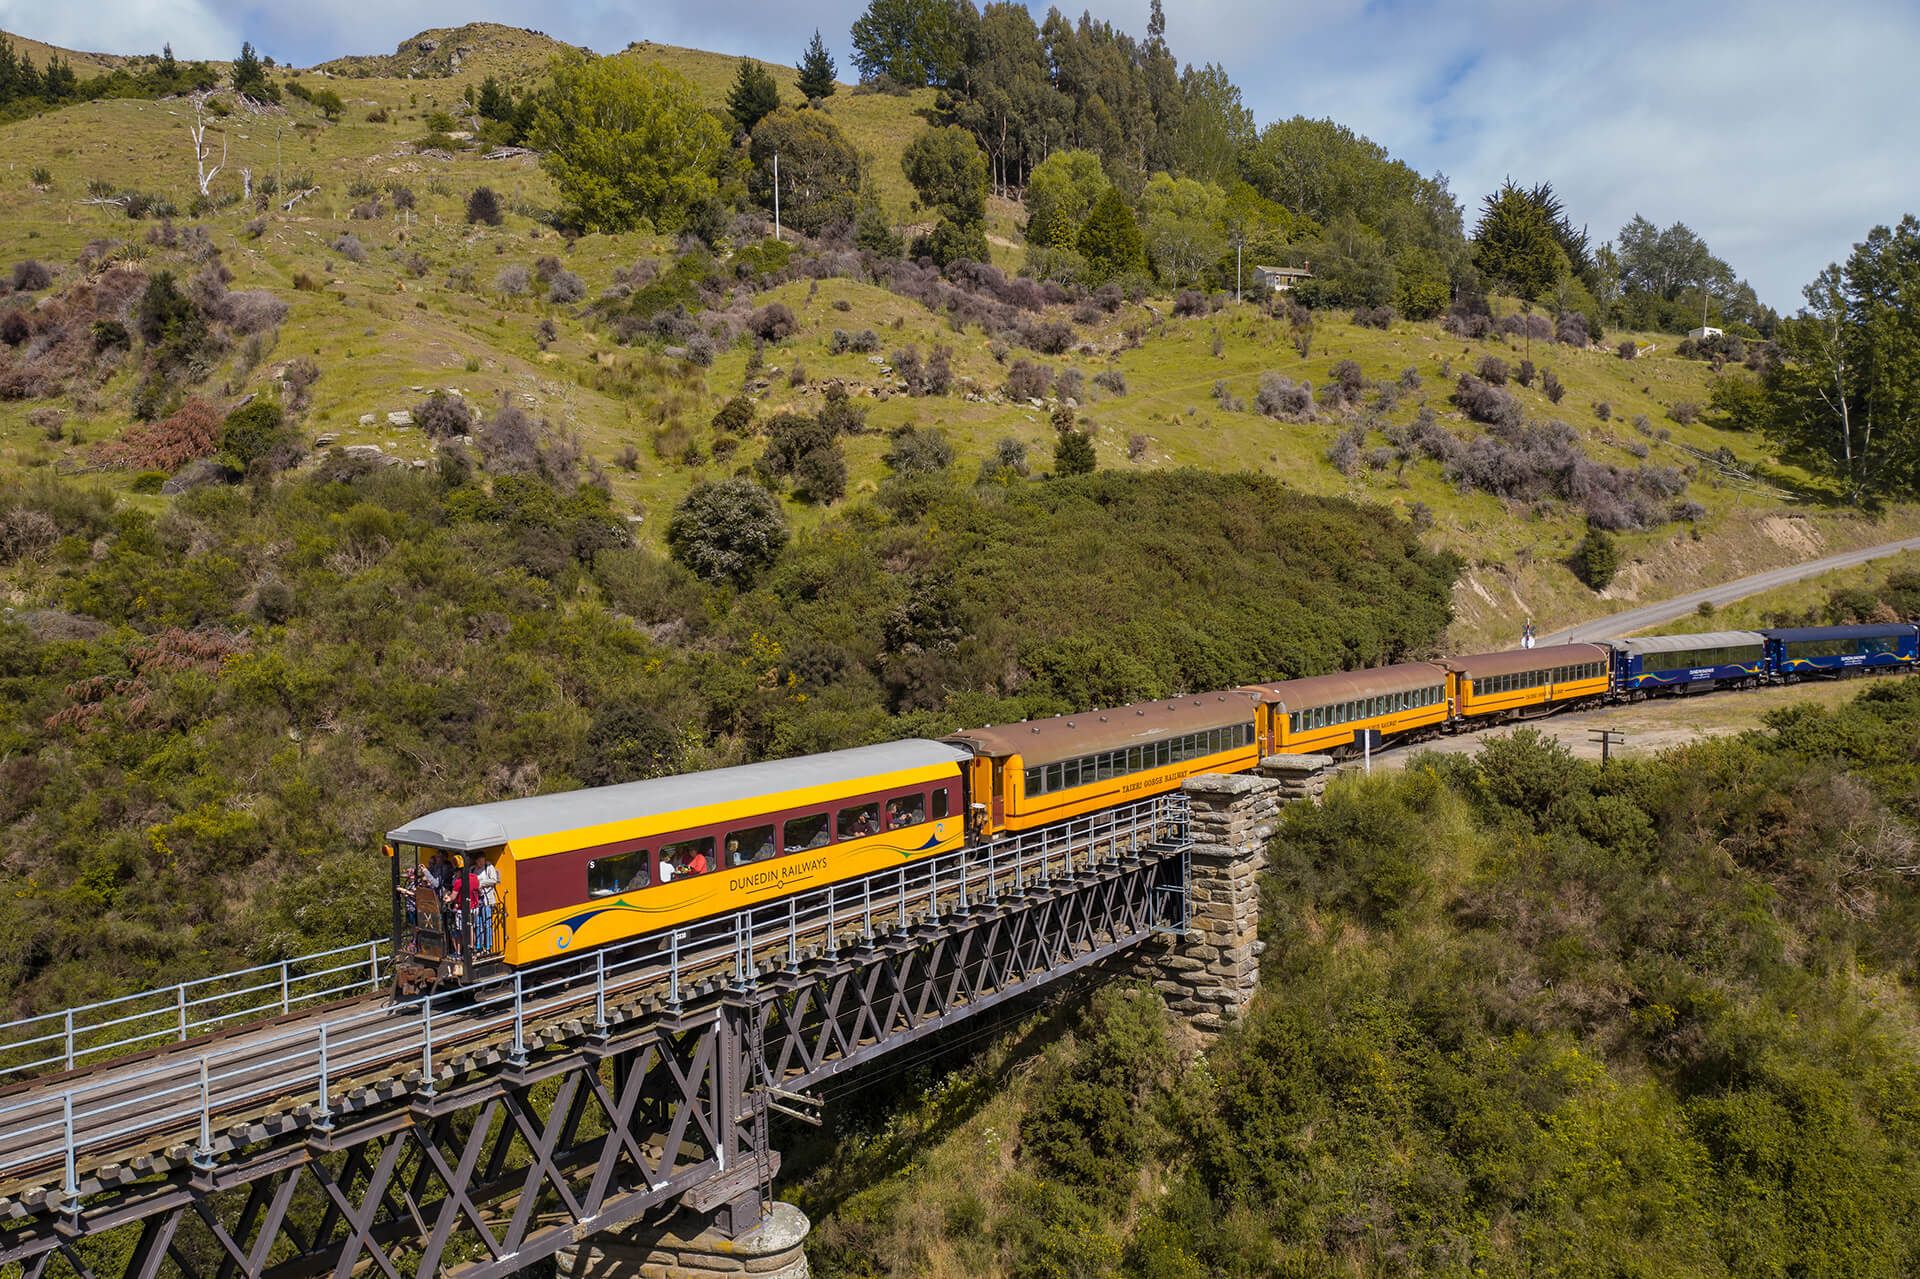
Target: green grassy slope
x,y
421,312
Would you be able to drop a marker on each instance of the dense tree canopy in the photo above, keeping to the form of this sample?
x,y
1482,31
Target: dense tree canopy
x,y
819,169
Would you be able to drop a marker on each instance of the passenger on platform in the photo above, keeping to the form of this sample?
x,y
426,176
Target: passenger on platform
x,y
486,882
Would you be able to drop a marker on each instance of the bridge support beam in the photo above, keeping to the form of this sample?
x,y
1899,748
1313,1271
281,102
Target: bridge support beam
x,y
1210,975
694,1247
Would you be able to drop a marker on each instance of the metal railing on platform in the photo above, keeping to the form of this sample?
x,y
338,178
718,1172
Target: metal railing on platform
x,y
187,1098
90,1033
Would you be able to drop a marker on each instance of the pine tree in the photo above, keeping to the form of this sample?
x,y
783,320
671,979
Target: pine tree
x,y
754,96
1111,241
816,70
249,78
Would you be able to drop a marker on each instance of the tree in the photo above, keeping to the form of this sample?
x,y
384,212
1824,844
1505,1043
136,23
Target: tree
x,y
1073,452
1062,191
730,531
1597,559
1182,225
1515,246
625,142
949,173
1111,241
1215,125
1845,397
914,42
249,77
754,95
817,70
329,103
494,102
819,169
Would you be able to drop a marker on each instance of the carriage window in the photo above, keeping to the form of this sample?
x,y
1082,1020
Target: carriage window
x,y
609,875
1035,780
754,844
859,821
906,810
806,832
687,857
1056,776
940,803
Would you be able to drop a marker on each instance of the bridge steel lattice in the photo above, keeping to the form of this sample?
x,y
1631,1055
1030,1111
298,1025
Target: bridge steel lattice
x,y
477,1132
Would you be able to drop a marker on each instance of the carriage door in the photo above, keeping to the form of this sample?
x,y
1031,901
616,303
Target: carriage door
x,y
1000,768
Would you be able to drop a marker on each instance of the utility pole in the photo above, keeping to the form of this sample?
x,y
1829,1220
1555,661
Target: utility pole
x,y
776,195
1238,244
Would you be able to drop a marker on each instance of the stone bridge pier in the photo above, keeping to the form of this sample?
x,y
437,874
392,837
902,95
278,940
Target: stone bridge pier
x,y
1209,976
694,1247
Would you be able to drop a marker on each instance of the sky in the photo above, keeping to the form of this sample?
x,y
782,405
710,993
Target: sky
x,y
1780,132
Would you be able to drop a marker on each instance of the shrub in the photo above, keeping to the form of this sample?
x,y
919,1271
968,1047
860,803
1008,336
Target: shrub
x,y
443,416
14,328
773,322
1137,446
191,432
1597,560
1524,375
1112,381
566,287
913,453
1007,463
865,342
250,311
1492,370
402,197
1573,330
31,275
628,459
483,207
1188,302
1344,452
1223,396
730,531
1027,381
1409,379
512,280
348,246
1602,410
1628,349
1283,398
1374,317
1553,387
1486,404
735,417
252,434
1048,337
1070,384
820,475
1686,412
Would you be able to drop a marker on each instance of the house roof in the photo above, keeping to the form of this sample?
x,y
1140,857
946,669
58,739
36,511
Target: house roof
x,y
1285,270
1514,661
1048,741
1326,690
475,826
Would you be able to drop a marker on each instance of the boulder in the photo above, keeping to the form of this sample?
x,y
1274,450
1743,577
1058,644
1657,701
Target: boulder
x,y
403,417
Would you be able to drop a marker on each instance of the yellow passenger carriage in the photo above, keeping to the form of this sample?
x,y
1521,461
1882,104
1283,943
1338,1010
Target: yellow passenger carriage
x,y
1528,681
1326,714
585,868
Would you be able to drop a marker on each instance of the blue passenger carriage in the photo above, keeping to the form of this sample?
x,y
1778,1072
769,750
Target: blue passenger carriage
x,y
1829,650
1650,664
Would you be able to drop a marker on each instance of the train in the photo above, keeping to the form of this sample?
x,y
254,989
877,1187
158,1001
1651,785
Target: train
x,y
577,870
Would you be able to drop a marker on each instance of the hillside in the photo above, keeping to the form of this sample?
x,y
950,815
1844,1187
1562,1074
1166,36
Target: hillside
x,y
1519,1015
418,305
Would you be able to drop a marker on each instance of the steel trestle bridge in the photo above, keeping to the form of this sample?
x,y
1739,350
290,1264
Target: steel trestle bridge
x,y
293,1119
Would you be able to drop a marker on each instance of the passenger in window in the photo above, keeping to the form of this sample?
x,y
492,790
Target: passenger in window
x,y
694,864
908,810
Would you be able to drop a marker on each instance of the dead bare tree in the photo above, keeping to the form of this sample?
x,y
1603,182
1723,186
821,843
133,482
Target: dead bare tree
x,y
202,150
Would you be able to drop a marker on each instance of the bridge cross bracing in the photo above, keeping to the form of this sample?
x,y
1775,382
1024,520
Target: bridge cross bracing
x,y
324,1126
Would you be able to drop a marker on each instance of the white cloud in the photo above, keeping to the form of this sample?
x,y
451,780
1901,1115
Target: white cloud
x,y
1777,131
196,28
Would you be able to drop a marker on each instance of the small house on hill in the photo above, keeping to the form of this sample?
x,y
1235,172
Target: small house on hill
x,y
1280,279
1704,332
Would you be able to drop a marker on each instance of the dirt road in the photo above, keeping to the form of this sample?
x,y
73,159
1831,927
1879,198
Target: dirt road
x,y
1655,724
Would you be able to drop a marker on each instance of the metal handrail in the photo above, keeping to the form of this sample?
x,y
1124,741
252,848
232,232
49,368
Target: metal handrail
x,y
176,1013
310,1058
